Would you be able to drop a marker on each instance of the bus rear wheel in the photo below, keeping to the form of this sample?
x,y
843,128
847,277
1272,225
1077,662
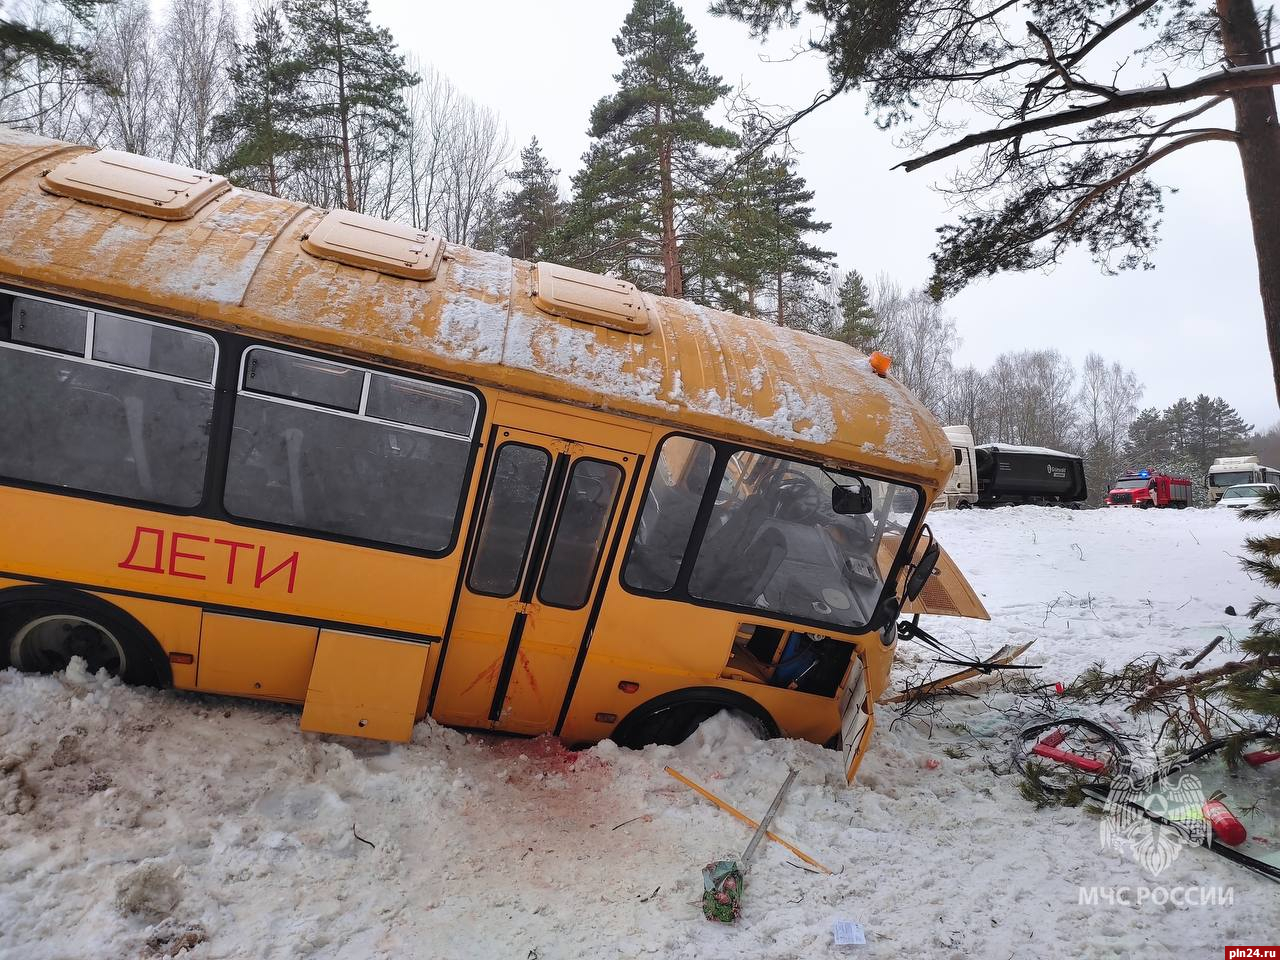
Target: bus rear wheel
x,y
43,636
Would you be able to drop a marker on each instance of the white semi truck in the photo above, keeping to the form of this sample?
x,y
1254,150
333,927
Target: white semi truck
x,y
1229,471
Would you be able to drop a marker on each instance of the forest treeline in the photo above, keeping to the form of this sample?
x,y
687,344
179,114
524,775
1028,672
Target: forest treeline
x,y
310,100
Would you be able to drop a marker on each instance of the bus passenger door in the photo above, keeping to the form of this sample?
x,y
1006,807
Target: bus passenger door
x,y
543,528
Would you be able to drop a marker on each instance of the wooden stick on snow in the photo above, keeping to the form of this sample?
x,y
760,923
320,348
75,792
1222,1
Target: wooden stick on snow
x,y
745,819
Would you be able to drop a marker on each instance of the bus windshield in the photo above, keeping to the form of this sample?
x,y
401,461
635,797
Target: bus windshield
x,y
772,541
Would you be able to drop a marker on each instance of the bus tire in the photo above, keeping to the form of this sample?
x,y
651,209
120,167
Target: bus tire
x,y
41,628
673,717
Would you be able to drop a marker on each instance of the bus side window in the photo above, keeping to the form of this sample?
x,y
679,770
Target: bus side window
x,y
337,449
670,508
130,423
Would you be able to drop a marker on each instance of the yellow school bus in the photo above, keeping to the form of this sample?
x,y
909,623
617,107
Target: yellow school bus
x,y
254,448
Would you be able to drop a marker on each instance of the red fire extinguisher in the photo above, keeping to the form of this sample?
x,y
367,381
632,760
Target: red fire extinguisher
x,y
1226,825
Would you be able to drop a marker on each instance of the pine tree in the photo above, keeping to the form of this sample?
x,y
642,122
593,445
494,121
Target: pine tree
x,y
1178,421
262,126
749,248
1256,687
357,78
857,324
532,213
793,264
20,42
729,237
1215,429
487,234
648,163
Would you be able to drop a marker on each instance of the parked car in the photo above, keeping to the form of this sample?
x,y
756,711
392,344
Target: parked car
x,y
1245,494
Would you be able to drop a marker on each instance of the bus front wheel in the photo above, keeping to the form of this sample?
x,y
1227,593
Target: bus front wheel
x,y
41,636
671,719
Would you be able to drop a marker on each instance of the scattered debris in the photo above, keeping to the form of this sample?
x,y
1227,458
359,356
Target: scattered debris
x,y
1001,658
168,938
1213,644
745,819
847,933
723,880
151,891
15,795
644,816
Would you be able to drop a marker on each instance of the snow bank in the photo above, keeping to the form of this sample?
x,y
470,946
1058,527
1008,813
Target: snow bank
x,y
137,823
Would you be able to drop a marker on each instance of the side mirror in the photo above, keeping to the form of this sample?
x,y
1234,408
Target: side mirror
x,y
922,572
851,501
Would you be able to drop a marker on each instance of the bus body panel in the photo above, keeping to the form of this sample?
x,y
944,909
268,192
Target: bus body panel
x,y
364,686
255,658
227,566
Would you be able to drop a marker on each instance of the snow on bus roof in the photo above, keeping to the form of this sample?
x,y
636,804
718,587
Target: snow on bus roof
x,y
239,263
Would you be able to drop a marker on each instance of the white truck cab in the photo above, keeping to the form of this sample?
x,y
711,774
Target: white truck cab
x,y
1231,471
961,491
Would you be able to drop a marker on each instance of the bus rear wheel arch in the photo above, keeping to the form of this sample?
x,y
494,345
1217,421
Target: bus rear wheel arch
x,y
672,718
42,628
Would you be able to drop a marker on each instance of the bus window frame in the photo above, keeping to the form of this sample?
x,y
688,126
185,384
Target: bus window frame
x,y
604,539
482,515
230,348
359,413
724,451
472,441
86,357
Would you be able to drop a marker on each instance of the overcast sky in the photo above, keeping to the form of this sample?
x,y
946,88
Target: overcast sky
x,y
1193,324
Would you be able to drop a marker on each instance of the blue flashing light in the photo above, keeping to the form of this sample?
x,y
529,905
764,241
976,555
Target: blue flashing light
x,y
1145,474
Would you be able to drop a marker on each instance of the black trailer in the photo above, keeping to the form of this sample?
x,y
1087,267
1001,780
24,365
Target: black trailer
x,y
1010,475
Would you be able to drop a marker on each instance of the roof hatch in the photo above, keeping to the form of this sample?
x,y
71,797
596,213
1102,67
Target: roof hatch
x,y
125,181
591,298
372,244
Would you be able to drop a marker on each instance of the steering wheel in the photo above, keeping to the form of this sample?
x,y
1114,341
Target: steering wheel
x,y
798,497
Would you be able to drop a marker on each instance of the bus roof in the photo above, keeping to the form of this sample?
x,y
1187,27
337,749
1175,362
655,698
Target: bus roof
x,y
239,264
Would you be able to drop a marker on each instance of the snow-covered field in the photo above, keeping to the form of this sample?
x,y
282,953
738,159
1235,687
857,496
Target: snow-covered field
x,y
135,822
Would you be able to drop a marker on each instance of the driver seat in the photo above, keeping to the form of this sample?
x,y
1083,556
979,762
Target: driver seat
x,y
745,582
722,550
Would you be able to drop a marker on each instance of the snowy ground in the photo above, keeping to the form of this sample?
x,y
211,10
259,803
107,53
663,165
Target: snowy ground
x,y
135,822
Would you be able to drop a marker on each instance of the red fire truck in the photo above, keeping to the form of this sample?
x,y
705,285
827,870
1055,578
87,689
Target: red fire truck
x,y
1146,489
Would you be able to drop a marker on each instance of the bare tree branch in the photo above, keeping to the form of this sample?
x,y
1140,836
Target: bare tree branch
x,y
1137,168
1210,85
1068,80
